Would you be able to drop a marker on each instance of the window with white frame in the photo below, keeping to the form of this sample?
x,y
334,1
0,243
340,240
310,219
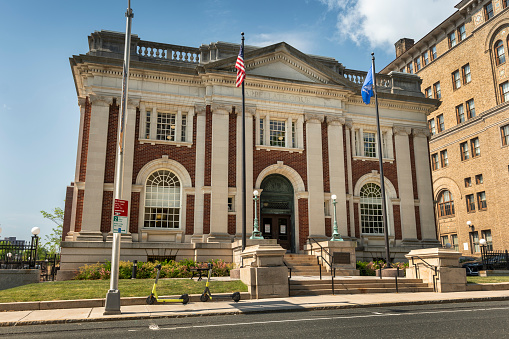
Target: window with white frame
x,y
369,144
366,143
173,126
371,209
162,200
262,121
166,126
278,130
231,204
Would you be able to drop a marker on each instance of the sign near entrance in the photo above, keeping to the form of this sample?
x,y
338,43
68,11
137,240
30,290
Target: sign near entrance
x,y
120,219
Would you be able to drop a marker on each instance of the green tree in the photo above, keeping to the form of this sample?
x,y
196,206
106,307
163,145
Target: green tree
x,y
53,240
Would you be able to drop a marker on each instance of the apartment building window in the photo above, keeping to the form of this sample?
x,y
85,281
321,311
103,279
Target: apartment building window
x,y
488,11
436,90
486,234
403,69
431,126
417,64
468,182
444,159
434,161
410,68
476,147
499,52
470,203
425,58
462,33
460,114
456,80
445,204
277,130
478,179
444,239
440,123
474,242
504,91
433,52
452,39
504,131
455,242
428,93
464,151
467,77
470,109
481,201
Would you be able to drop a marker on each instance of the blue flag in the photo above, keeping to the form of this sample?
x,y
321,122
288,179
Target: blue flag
x,y
367,87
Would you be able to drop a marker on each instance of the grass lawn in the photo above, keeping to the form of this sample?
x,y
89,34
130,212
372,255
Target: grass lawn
x,y
92,289
487,280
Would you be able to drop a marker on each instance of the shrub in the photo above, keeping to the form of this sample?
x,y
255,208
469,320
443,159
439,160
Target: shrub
x,y
369,268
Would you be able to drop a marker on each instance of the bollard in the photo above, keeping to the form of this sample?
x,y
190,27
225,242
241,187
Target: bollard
x,y
133,275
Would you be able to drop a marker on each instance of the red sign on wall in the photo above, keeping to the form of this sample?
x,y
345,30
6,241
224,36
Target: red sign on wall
x,y
120,208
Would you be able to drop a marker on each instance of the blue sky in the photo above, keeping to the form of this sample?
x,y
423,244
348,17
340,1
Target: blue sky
x,y
39,114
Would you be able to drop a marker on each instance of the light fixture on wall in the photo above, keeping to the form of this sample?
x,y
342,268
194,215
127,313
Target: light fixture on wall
x,y
469,224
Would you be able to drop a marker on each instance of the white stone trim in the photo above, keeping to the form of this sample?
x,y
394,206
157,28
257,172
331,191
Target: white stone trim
x,y
287,172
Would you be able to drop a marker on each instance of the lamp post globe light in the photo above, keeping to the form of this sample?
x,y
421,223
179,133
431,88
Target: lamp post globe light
x,y
335,234
256,232
35,231
34,245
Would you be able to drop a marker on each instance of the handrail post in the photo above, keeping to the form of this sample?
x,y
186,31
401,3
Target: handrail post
x,y
397,275
333,292
380,271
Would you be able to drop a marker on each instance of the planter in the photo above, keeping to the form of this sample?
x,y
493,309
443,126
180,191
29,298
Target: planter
x,y
390,272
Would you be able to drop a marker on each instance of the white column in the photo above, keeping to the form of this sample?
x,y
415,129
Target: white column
x,y
315,175
390,145
219,175
189,127
405,185
153,122
288,133
424,186
199,177
349,149
94,180
361,142
266,130
250,112
337,170
178,126
299,133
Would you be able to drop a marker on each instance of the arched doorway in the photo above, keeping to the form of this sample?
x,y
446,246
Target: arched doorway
x,y
277,211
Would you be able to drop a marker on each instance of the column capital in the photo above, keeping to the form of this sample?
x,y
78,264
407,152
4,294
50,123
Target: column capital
x,y
420,132
220,109
314,118
402,130
200,109
349,123
335,121
133,103
82,101
98,100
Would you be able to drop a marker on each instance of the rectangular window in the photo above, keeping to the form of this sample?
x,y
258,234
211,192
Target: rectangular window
x,y
436,90
444,239
294,139
183,128
403,69
326,208
504,132
410,68
433,52
277,133
504,91
444,160
470,108
261,131
481,201
486,234
488,11
417,64
231,204
478,179
455,242
425,58
460,114
476,147
369,145
467,77
434,161
470,203
166,126
462,33
440,122
452,39
431,126
474,242
468,182
505,3
428,93
456,79
147,125
464,151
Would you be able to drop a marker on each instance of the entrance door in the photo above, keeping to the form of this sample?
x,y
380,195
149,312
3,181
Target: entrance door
x,y
278,227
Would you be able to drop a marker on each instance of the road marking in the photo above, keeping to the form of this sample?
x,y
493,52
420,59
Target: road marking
x,y
154,327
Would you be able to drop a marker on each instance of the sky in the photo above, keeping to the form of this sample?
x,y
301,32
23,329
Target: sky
x,y
39,113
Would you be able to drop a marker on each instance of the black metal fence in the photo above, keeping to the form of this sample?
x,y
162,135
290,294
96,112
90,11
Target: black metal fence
x,y
495,260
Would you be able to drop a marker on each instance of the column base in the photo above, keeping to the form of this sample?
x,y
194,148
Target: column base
x,y
197,238
219,237
89,236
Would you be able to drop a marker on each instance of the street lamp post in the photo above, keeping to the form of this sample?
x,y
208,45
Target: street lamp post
x,y
256,232
482,242
335,234
33,248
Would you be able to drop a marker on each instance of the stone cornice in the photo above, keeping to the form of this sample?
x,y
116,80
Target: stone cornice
x,y
402,130
391,105
314,118
98,100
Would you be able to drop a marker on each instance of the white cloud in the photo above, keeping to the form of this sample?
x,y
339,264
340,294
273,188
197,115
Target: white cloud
x,y
302,41
382,23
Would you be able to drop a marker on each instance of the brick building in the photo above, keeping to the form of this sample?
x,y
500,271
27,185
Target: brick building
x,y
462,62
309,136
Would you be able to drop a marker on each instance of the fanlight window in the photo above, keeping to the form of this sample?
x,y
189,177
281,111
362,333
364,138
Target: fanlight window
x,y
162,200
371,209
445,204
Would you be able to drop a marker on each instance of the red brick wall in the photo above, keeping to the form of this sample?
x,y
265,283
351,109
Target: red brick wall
x,y
206,213
360,168
232,149
66,227
397,222
111,143
356,220
412,161
79,211
232,224
135,208
328,227
208,146
348,219
325,157
418,223
84,141
107,211
190,214
303,222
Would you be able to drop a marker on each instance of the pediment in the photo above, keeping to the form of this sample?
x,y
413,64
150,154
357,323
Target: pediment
x,y
283,70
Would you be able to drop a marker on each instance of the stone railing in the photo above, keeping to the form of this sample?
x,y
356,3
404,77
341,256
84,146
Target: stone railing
x,y
357,77
394,82
154,50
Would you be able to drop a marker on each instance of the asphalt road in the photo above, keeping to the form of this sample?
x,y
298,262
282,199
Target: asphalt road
x,y
460,320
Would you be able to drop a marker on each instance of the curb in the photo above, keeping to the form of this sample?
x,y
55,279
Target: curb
x,y
282,309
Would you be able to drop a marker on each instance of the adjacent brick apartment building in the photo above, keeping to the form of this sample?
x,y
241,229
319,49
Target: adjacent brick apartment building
x,y
309,135
462,62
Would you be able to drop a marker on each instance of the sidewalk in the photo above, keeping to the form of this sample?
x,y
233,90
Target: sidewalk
x,y
194,309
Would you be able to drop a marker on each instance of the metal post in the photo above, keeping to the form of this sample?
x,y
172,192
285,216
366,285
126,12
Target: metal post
x,y
135,268
256,232
112,305
380,162
335,234
244,196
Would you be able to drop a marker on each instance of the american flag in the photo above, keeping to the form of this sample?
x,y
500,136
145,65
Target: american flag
x,y
241,72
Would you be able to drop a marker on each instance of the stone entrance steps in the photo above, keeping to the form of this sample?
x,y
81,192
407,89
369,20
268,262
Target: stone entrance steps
x,y
356,286
304,265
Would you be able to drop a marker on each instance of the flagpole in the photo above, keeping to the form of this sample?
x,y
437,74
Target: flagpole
x,y
380,162
244,197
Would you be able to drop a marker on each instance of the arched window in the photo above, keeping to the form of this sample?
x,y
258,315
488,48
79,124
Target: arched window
x,y
371,209
445,204
162,200
499,52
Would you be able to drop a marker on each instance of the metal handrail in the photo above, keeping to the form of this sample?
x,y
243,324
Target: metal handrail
x,y
332,269
428,265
